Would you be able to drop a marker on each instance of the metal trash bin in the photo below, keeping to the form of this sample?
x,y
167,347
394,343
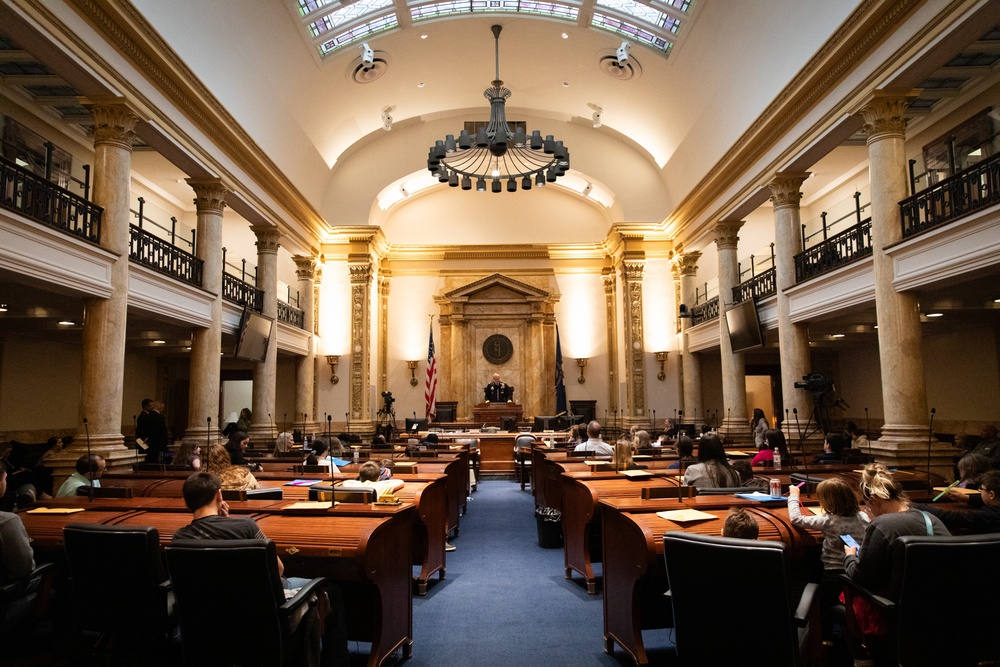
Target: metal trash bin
x,y
549,521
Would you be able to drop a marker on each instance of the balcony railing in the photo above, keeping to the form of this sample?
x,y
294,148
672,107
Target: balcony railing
x,y
844,248
291,315
760,286
42,201
961,194
705,311
242,293
159,255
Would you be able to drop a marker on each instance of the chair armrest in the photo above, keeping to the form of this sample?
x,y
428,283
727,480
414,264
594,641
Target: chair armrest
x,y
315,586
856,589
14,589
806,604
166,586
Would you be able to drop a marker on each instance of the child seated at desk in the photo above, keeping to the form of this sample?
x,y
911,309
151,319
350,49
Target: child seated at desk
x,y
740,523
368,476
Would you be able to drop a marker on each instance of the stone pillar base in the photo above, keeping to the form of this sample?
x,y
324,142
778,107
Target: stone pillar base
x,y
204,436
263,435
736,430
908,444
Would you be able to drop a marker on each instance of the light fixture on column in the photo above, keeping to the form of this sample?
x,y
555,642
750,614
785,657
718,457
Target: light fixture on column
x,y
496,152
333,360
412,365
662,358
582,363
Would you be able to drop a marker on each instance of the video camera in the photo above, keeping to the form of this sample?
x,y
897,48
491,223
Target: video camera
x,y
815,383
387,399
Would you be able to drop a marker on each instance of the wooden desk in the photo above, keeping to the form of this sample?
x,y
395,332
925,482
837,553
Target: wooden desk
x,y
366,555
492,414
635,577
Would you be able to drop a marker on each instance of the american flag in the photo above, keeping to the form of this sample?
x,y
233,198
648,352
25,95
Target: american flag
x,y
430,386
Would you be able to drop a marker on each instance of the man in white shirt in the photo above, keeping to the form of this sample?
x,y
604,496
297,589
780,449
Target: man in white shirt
x,y
88,473
594,444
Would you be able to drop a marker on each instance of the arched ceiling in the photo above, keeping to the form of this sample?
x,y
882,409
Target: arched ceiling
x,y
662,130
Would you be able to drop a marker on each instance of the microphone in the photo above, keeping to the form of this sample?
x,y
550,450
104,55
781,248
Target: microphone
x,y
654,420
347,415
90,461
284,422
208,438
274,436
930,437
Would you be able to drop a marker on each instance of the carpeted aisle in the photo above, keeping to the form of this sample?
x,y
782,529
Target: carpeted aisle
x,y
505,600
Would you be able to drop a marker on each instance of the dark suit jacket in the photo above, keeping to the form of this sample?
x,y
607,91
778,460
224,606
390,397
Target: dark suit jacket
x,y
498,393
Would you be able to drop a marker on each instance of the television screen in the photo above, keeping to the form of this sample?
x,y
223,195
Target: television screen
x,y
420,424
744,326
255,334
549,423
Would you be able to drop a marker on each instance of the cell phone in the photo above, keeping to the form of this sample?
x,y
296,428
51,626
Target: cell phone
x,y
849,541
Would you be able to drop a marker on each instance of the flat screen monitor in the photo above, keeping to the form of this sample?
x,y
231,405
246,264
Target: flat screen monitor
x,y
549,423
255,334
744,326
420,424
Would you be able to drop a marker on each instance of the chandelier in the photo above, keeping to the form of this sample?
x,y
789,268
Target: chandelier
x,y
495,152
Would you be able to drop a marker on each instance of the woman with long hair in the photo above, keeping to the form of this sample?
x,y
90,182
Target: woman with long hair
x,y
623,455
773,440
759,425
233,477
188,454
712,469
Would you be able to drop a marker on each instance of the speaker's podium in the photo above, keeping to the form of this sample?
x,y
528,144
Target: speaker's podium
x,y
496,414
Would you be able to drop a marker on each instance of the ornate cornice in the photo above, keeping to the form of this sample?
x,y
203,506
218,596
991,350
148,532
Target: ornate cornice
x,y
114,123
209,194
884,117
785,191
726,234
686,263
267,239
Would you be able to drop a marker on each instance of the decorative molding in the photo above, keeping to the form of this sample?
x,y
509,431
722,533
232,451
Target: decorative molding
x,y
384,285
114,123
635,367
267,239
166,297
360,273
611,325
686,263
360,335
785,189
305,267
209,194
294,340
726,234
847,287
884,117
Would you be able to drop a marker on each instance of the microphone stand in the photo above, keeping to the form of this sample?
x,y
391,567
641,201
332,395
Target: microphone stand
x,y
274,436
90,462
347,415
930,437
868,434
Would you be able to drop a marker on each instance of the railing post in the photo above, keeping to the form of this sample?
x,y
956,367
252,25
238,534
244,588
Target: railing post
x,y
857,205
243,270
49,147
822,217
772,255
194,238
86,182
223,260
952,167
173,232
803,241
142,202
913,178
751,267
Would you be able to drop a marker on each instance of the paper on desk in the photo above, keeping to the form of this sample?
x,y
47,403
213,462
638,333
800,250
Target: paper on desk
x,y
595,462
55,510
685,515
309,505
636,473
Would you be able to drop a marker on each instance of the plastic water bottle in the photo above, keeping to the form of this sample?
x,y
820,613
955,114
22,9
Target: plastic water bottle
x,y
777,459
356,455
305,441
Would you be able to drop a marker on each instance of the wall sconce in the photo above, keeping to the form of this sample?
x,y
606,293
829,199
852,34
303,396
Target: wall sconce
x,y
412,365
582,363
662,358
333,360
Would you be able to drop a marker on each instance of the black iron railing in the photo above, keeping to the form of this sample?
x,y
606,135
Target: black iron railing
x,y
844,248
289,314
159,255
760,286
961,194
171,231
242,293
45,202
705,311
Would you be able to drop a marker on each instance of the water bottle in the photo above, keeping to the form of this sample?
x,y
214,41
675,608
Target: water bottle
x,y
777,459
305,441
356,455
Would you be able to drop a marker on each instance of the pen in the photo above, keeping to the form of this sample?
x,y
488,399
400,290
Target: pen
x,y
800,484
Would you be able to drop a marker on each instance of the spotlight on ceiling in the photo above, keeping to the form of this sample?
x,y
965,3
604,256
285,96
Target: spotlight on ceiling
x,y
622,54
387,118
596,116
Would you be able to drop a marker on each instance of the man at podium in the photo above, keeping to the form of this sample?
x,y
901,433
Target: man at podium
x,y
497,391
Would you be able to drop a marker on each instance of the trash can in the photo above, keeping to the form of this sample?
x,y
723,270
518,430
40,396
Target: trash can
x,y
549,522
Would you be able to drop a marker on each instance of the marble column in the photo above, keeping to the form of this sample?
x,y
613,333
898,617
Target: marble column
x,y
687,266
359,401
265,372
305,365
206,343
905,434
635,349
611,320
104,328
793,349
735,422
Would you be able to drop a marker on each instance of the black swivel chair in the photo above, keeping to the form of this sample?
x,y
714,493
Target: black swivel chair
x,y
928,574
232,608
120,587
720,620
23,602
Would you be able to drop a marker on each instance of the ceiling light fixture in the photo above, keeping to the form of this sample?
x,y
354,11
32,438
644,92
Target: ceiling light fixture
x,y
67,323
935,314
496,152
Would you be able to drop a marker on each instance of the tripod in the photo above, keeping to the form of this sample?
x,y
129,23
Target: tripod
x,y
387,422
819,420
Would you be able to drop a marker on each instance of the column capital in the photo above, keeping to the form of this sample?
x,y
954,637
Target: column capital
x,y
686,263
267,239
305,267
114,121
360,273
609,283
785,189
209,194
632,270
726,233
384,282
884,115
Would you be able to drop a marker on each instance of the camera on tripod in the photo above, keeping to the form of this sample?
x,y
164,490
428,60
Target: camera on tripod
x,y
815,383
387,400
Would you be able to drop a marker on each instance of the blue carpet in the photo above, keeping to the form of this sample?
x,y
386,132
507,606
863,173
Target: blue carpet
x,y
505,600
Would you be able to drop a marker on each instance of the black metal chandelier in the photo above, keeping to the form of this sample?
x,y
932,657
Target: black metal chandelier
x,y
495,152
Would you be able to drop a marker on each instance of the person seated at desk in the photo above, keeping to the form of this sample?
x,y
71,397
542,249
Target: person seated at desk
x,y
685,453
368,476
989,445
712,469
773,439
594,445
970,468
623,456
641,442
833,449
188,454
983,515
237,444
859,439
498,391
88,473
211,521
321,456
234,477
282,444
740,523
17,561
